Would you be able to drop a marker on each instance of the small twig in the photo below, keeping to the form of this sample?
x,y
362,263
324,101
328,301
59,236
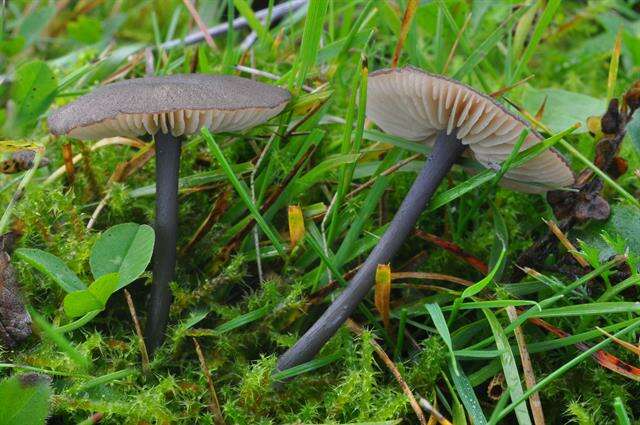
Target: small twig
x,y
67,157
123,171
278,12
101,144
434,412
527,368
455,44
149,62
566,243
431,276
473,261
409,12
386,172
357,329
136,323
214,406
252,187
499,93
200,23
218,208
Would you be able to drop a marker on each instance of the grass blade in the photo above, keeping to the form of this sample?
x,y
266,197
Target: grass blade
x,y
217,153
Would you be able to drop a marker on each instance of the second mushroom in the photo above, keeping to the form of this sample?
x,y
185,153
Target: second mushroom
x,y
453,118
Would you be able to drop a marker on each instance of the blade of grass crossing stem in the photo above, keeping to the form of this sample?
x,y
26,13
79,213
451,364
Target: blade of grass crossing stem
x,y
58,339
543,23
613,67
487,175
224,164
460,380
306,367
254,23
562,370
506,165
600,173
509,367
310,40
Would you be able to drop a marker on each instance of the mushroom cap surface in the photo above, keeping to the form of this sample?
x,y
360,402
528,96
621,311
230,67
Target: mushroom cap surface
x,y
180,104
416,105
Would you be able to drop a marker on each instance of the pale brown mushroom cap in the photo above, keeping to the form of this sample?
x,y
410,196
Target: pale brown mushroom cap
x,y
180,104
416,105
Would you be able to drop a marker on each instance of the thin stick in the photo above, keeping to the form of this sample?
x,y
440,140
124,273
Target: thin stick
x,y
278,12
136,323
219,207
67,156
101,144
566,242
357,329
527,368
409,12
200,23
386,172
455,43
431,276
214,406
433,411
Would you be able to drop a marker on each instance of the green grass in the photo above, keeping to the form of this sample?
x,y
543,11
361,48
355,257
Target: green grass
x,y
317,154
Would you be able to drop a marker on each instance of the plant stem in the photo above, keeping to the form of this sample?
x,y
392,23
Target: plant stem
x,y
445,152
164,254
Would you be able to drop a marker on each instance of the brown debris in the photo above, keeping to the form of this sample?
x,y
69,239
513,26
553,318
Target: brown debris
x,y
15,322
586,202
21,161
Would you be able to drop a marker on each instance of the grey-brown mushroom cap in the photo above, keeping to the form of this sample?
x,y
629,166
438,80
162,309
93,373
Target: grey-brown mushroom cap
x,y
416,105
180,104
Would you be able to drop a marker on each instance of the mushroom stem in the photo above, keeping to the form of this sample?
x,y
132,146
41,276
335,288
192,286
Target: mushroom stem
x,y
164,253
445,152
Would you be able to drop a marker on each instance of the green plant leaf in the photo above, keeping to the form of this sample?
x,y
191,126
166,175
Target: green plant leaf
x,y
563,108
85,30
33,91
125,249
53,267
94,298
24,399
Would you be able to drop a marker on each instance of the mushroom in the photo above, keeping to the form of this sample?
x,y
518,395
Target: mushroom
x,y
168,108
452,117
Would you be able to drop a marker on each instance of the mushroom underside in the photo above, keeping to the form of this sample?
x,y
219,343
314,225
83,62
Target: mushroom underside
x,y
418,106
177,123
